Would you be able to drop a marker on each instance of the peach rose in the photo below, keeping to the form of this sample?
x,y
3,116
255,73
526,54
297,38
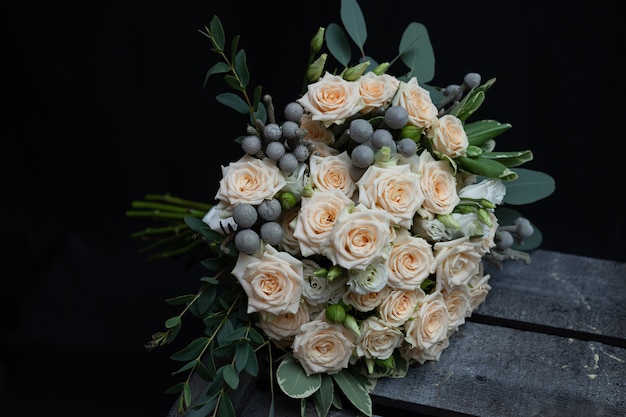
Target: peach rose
x,y
366,302
417,102
456,261
322,347
439,187
317,218
332,99
479,288
457,299
394,189
449,136
432,353
429,324
281,329
272,282
249,180
409,261
378,339
376,90
358,238
287,221
316,131
400,306
332,172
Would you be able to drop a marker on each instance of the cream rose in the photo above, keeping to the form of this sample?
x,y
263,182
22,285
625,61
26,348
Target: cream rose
x,y
316,131
282,329
394,189
359,238
366,302
439,187
456,262
417,102
287,221
433,353
458,302
376,90
249,180
409,261
317,218
322,347
399,306
332,99
272,282
378,339
449,136
332,172
429,324
479,288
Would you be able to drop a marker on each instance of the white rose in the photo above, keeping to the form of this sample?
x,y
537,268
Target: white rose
x,y
409,261
287,221
399,306
457,300
394,189
322,347
272,282
332,99
371,279
249,180
429,324
456,262
321,290
317,218
417,102
359,237
433,353
366,302
332,172
479,288
376,90
449,136
378,339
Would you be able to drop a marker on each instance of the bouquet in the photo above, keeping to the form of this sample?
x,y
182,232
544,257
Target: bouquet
x,y
348,240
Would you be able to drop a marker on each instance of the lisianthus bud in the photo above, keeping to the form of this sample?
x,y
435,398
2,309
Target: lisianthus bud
x,y
322,272
318,40
287,200
316,68
370,362
353,73
483,216
410,131
486,203
381,68
350,323
448,221
335,313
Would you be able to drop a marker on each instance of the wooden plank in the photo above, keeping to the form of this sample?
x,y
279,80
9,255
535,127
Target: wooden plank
x,y
491,371
562,291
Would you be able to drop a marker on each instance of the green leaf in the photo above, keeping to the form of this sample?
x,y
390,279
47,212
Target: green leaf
x,y
173,322
191,351
252,364
470,103
355,391
189,365
354,22
175,389
233,101
231,376
323,397
338,44
293,381
241,355
510,159
242,69
530,186
205,300
417,53
180,300
219,68
234,83
225,407
483,130
485,167
217,33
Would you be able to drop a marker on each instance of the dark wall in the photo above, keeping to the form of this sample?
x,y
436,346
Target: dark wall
x,y
104,103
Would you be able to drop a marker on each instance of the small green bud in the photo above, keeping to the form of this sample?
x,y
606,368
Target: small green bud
x,y
448,221
315,70
410,131
381,68
318,40
307,191
473,151
350,323
369,362
322,272
486,203
334,272
383,154
483,216
335,313
388,363
353,73
287,200
465,208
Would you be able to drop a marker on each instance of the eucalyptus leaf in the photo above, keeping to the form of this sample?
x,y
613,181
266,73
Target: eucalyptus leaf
x,y
180,300
233,101
204,301
234,83
218,68
173,322
338,44
241,68
436,96
354,391
252,364
217,33
191,351
293,380
354,22
189,365
234,47
323,397
175,389
231,376
530,186
417,53
225,407
481,131
241,355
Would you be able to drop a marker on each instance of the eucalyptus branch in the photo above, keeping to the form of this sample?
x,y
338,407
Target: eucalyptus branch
x,y
166,198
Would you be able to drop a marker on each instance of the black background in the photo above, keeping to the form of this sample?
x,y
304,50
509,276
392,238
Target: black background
x,y
104,102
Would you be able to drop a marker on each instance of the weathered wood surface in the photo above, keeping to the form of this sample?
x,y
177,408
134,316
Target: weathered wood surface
x,y
550,340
